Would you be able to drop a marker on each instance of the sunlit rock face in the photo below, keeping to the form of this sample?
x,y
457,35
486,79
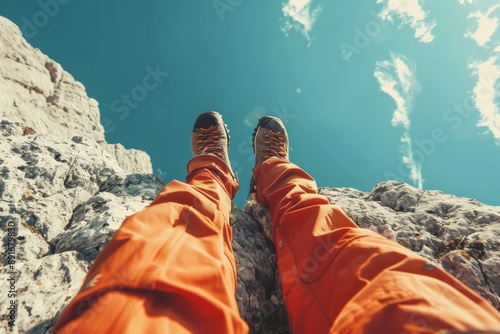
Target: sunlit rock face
x,y
37,92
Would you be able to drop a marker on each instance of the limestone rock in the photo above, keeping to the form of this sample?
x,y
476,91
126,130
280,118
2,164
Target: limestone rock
x,y
94,222
130,160
36,92
258,291
43,286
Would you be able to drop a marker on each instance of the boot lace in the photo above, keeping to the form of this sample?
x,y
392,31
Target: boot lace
x,y
208,141
274,145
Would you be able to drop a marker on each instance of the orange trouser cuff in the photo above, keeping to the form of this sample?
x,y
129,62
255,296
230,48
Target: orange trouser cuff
x,y
217,166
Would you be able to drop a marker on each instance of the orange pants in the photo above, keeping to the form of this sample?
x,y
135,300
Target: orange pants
x,y
170,268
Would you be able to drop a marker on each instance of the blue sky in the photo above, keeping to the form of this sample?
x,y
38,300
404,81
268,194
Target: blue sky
x,y
369,90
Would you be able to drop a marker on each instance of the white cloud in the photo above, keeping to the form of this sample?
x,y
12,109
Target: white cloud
x,y
486,26
409,161
397,79
409,12
485,94
299,16
463,2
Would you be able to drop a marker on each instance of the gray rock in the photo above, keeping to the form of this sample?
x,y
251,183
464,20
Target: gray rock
x,y
36,92
47,177
94,222
44,285
258,290
130,160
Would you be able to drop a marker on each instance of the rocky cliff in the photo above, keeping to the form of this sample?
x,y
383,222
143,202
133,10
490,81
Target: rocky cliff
x,y
63,195
37,92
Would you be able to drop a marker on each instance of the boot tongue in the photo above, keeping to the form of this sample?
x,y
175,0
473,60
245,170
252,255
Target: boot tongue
x,y
205,121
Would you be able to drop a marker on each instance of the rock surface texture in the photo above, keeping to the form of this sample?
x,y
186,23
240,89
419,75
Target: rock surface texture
x,y
37,92
64,192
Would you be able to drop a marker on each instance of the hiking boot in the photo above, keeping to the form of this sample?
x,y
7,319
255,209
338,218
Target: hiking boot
x,y
211,136
270,139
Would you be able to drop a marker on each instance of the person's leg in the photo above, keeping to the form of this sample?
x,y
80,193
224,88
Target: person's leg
x,y
339,278
169,268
